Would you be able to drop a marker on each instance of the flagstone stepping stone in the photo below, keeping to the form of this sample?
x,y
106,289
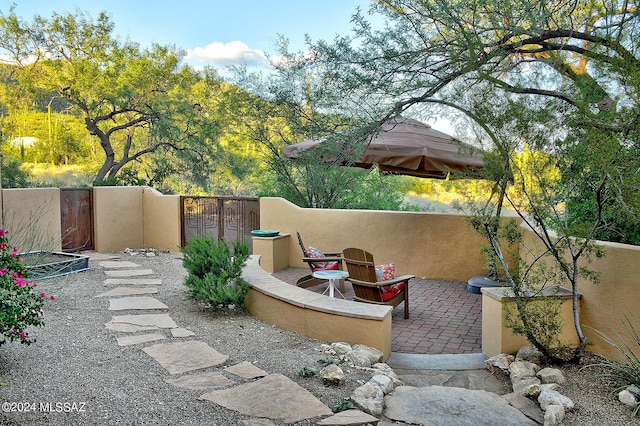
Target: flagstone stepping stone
x,y
132,281
258,422
139,338
128,328
348,418
136,303
201,381
182,357
129,273
118,264
182,332
128,291
275,397
155,320
246,370
443,405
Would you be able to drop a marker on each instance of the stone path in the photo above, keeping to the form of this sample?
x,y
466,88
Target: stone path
x,y
266,398
141,323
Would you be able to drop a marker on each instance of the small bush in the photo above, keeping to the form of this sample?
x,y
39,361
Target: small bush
x,y
215,271
20,302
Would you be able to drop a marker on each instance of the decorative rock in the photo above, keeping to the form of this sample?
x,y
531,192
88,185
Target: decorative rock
x,y
627,398
358,359
332,375
373,354
554,415
369,398
529,353
549,386
526,406
501,361
527,386
551,375
522,369
635,390
383,368
348,418
551,397
341,348
384,382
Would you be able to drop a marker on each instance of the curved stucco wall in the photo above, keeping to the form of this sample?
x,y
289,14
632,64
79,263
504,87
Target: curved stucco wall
x,y
423,244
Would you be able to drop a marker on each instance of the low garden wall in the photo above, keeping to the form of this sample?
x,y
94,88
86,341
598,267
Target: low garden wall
x,y
329,319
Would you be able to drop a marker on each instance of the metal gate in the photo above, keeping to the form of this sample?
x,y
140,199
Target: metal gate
x,y
225,218
76,217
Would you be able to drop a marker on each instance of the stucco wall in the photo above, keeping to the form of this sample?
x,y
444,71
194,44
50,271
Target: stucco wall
x,y
117,218
161,220
32,217
423,244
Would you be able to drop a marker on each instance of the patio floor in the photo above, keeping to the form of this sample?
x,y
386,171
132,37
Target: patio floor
x,y
444,317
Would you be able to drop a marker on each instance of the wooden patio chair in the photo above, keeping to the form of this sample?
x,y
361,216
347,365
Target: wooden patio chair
x,y
331,261
367,288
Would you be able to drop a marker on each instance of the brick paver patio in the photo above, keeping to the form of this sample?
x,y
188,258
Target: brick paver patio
x,y
444,317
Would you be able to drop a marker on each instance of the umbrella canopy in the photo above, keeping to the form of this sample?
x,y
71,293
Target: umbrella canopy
x,y
408,147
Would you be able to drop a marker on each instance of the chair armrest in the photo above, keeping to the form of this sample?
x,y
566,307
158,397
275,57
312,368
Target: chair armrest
x,y
322,259
333,253
403,278
396,280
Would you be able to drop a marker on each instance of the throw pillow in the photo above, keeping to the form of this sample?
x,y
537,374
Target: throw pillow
x,y
386,272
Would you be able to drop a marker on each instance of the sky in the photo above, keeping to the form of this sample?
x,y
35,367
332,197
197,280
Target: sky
x,y
212,32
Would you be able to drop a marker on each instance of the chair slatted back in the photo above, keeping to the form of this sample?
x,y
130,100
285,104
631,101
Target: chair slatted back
x,y
361,267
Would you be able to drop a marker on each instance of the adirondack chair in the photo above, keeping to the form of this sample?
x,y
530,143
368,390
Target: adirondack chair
x,y
366,284
331,261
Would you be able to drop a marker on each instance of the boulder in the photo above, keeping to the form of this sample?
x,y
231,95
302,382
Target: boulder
x,y
551,375
550,397
332,375
529,353
554,415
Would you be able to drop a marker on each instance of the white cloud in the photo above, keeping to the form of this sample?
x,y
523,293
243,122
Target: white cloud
x,y
222,54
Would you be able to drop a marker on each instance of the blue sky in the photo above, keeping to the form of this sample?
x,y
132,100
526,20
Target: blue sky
x,y
213,32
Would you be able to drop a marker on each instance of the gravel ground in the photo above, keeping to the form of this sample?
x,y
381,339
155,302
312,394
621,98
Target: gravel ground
x,y
76,365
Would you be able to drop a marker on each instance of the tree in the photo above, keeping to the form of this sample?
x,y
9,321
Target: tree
x,y
135,102
559,76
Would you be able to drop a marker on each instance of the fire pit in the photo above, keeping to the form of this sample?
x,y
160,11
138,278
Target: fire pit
x,y
45,264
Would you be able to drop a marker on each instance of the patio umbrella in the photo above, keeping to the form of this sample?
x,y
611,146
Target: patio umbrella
x,y
408,147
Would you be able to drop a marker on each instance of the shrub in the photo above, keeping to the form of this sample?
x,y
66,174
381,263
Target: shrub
x,y
20,302
215,271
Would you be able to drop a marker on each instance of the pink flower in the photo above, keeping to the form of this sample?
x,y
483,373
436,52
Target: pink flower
x,y
43,295
23,335
34,285
52,297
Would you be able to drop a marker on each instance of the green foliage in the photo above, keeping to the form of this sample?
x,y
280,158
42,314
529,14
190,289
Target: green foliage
x,y
626,367
215,272
307,372
20,303
12,175
343,405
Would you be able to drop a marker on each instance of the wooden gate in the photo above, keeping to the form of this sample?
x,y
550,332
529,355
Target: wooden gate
x,y
225,218
76,217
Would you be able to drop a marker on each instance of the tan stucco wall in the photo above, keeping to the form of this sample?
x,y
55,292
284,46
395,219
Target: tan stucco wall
x,y
117,218
32,217
423,244
161,219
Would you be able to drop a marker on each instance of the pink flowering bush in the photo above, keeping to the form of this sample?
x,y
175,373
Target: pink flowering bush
x,y
20,302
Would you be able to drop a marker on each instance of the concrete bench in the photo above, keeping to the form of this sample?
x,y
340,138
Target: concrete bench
x,y
314,315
